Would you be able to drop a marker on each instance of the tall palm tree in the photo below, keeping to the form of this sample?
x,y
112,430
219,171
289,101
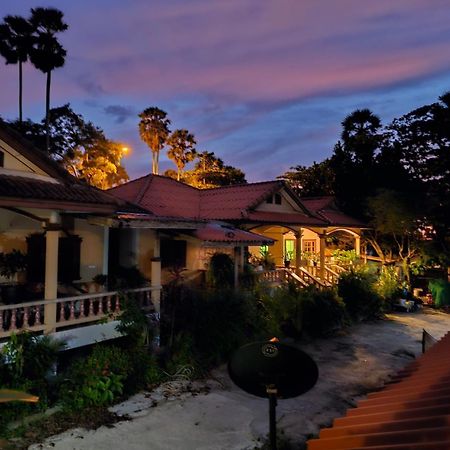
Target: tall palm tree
x,y
16,41
47,53
154,130
182,150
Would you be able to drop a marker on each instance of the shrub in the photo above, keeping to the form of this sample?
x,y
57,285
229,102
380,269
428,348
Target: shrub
x,y
440,290
96,380
283,311
356,290
220,271
388,284
323,312
216,321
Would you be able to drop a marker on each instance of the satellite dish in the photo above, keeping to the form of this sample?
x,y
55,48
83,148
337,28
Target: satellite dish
x,y
287,369
272,370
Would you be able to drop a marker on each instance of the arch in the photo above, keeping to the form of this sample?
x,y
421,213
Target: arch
x,y
345,230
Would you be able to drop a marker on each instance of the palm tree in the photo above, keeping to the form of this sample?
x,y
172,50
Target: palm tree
x,y
16,41
154,130
182,150
47,53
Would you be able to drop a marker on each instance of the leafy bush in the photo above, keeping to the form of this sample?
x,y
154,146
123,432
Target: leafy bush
x,y
126,278
291,311
217,321
220,271
388,284
283,311
323,312
440,290
356,290
96,380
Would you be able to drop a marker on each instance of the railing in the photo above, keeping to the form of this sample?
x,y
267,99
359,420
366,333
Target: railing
x,y
310,279
301,279
330,276
49,315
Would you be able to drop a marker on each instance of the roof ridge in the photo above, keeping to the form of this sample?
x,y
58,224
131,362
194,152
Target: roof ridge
x,y
229,186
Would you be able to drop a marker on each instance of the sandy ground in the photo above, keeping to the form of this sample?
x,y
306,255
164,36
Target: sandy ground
x,y
216,415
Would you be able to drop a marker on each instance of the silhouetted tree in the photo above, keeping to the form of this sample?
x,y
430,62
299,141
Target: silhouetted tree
x,y
181,149
16,40
47,54
154,130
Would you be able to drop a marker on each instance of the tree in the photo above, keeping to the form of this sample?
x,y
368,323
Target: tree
x,y
80,146
422,139
210,171
47,54
99,164
154,130
181,149
16,40
354,159
396,227
313,181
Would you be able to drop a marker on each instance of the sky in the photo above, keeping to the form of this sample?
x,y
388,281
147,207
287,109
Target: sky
x,y
264,84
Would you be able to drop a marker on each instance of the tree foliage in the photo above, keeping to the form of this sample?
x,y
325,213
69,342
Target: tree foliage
x,y
181,149
80,146
154,131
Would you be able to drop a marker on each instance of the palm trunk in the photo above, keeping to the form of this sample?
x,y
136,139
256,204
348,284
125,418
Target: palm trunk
x,y
47,112
20,92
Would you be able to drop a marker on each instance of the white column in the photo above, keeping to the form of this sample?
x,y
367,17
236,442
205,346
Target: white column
x,y
156,273
236,267
241,259
298,249
358,245
322,256
51,272
105,250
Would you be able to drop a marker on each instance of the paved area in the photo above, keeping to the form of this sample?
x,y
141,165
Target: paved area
x,y
215,415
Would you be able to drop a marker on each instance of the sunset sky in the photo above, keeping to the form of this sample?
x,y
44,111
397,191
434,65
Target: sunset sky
x,y
262,83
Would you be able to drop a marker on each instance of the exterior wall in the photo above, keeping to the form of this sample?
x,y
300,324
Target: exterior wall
x,y
145,251
14,161
14,229
287,205
310,235
91,252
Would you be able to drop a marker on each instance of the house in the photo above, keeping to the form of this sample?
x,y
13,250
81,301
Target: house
x,y
272,209
72,232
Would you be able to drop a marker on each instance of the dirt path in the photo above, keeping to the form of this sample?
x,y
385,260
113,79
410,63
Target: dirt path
x,y
218,416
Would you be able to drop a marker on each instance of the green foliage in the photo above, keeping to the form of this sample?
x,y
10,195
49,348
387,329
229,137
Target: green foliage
x,y
388,284
220,270
97,380
133,322
12,262
181,149
360,298
323,312
217,321
290,311
126,278
345,258
440,290
27,357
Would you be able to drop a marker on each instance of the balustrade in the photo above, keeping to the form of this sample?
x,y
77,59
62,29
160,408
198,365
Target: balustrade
x,y
70,311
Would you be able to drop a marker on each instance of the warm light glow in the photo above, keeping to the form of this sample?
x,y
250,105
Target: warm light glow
x,y
125,151
274,339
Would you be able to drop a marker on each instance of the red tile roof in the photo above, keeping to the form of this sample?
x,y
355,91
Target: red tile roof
x,y
18,190
215,232
411,413
325,208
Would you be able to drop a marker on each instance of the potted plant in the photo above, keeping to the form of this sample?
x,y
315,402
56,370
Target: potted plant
x,y
288,256
11,265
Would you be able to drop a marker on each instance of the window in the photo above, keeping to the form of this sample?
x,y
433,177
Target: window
x,y
2,159
309,245
289,249
173,253
276,198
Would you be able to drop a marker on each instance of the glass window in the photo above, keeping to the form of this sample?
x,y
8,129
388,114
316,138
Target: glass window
x,y
269,199
277,199
309,245
2,159
289,249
